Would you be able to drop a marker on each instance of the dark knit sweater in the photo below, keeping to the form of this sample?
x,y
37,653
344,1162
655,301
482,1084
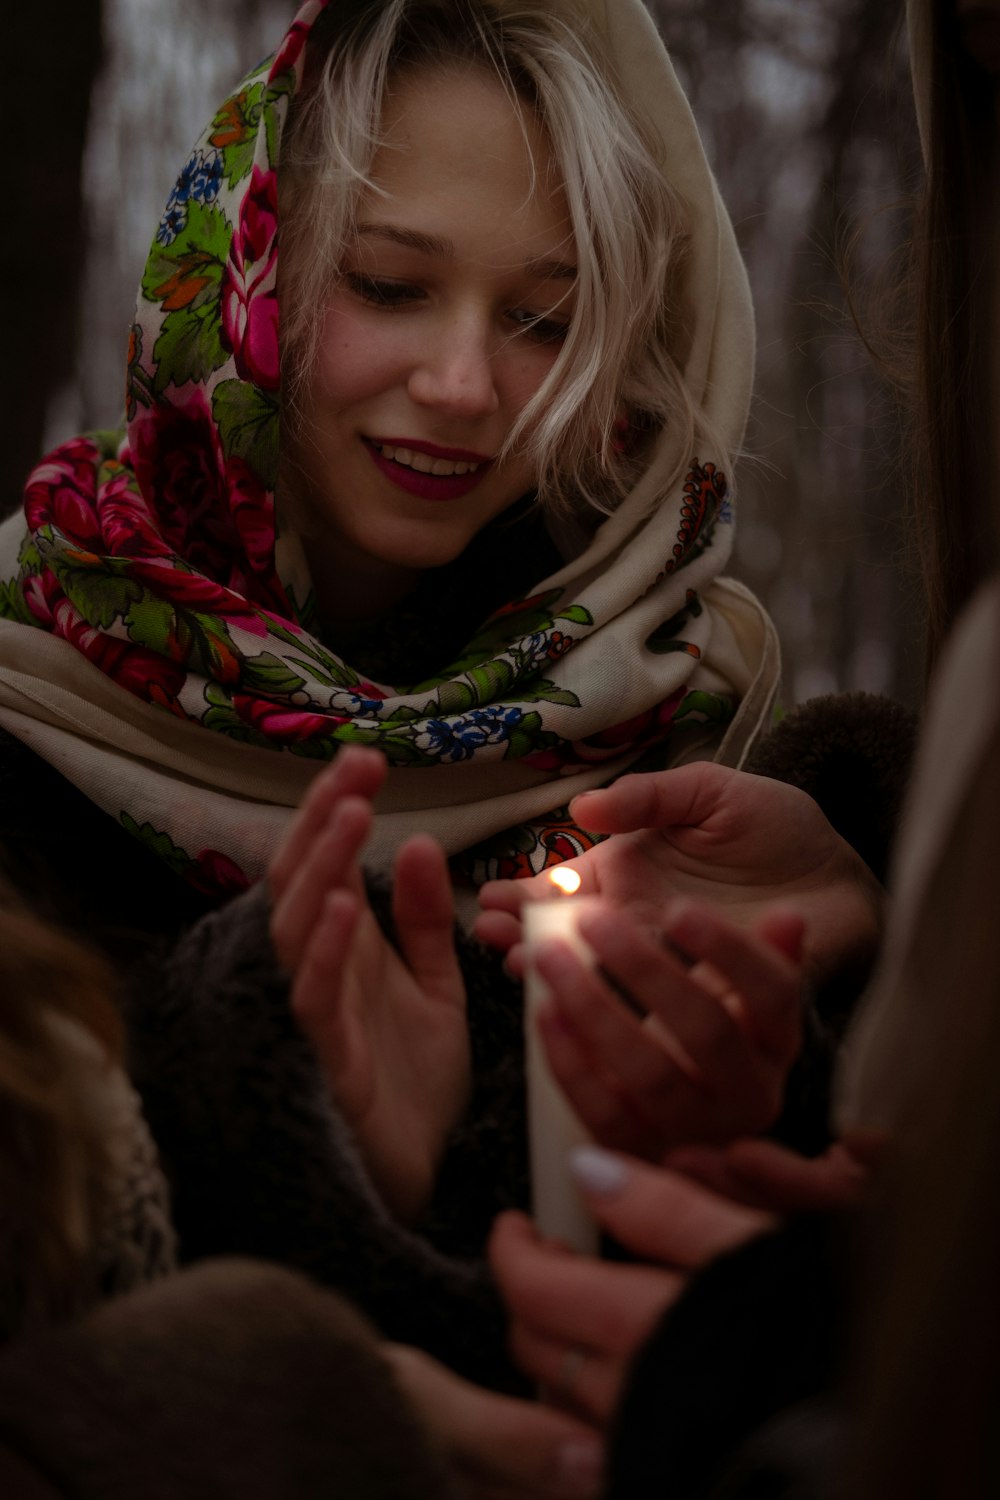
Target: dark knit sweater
x,y
259,1160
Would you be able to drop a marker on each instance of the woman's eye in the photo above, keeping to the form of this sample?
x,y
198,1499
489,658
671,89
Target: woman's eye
x,y
539,328
381,293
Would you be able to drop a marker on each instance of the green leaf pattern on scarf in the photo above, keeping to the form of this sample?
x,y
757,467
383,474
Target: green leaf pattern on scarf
x,y
208,870
248,421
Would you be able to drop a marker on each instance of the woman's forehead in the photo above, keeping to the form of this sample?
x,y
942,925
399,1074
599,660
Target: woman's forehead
x,y
461,156
426,102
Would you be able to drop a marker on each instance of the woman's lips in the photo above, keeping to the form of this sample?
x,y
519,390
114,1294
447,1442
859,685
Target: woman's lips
x,y
387,456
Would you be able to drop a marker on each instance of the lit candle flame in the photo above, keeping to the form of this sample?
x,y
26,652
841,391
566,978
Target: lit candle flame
x,y
566,880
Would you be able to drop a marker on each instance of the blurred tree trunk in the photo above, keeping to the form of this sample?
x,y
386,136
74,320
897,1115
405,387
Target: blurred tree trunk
x,y
858,574
806,111
47,90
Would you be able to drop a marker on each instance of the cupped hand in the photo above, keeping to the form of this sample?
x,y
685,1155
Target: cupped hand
x,y
738,841
702,1051
500,1448
387,1022
576,1322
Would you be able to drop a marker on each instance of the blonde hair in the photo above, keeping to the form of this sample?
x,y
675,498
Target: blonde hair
x,y
628,223
52,1154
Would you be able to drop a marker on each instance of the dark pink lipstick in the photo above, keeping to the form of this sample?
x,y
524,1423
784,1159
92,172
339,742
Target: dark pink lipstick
x,y
428,486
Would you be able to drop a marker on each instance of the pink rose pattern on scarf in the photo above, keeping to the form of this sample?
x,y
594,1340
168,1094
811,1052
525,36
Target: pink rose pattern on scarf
x,y
249,285
153,551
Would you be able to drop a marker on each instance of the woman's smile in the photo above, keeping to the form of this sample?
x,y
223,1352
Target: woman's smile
x,y
446,319
427,470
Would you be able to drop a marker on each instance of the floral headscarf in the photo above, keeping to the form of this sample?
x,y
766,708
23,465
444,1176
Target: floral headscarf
x,y
157,629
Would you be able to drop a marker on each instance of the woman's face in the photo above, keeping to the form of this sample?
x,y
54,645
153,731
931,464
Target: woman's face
x,y
449,313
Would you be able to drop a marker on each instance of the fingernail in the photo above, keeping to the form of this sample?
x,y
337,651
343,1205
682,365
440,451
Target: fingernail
x,y
580,1467
597,1171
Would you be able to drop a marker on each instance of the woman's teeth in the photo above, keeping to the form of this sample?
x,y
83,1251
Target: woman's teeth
x,y
423,463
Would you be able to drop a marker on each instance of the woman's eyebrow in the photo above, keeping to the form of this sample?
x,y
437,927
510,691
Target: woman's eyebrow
x,y
412,239
551,270
543,267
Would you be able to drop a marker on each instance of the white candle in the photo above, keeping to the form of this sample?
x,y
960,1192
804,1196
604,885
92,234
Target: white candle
x,y
553,1127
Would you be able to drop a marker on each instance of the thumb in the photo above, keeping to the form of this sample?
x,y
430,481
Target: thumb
x,y
685,796
658,1214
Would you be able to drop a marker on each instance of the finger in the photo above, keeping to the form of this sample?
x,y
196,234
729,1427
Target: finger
x,y
357,771
768,984
710,1166
571,1377
790,1183
511,895
767,1185
596,1098
576,1299
503,895
507,1446
592,1030
316,996
330,862
424,913
497,929
687,795
516,962
694,1070
658,984
659,1214
866,1144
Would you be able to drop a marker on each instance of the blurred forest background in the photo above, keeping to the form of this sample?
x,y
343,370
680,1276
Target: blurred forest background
x,y
806,113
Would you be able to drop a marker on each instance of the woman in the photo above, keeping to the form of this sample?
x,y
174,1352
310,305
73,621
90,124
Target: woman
x,y
261,547
335,539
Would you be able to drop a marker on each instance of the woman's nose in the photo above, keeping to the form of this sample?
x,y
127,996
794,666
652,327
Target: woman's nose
x,y
455,372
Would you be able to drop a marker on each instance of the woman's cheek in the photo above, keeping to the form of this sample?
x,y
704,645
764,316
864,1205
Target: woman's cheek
x,y
529,371
358,355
